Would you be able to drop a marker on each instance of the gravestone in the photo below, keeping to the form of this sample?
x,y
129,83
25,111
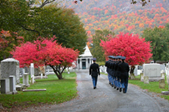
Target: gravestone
x,y
162,74
32,73
26,79
136,70
21,72
167,79
36,72
162,83
146,79
167,68
10,66
152,70
162,66
142,77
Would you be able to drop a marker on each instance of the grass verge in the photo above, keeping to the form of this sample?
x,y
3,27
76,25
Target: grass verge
x,y
151,87
57,91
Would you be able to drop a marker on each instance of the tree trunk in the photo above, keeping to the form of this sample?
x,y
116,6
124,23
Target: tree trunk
x,y
58,71
132,72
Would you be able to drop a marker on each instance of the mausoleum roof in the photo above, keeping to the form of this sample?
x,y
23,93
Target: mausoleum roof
x,y
86,53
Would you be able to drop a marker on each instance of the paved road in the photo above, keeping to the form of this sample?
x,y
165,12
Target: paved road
x,y
107,99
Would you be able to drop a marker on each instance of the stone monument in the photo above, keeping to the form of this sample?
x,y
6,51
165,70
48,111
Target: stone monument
x,y
152,70
10,66
32,73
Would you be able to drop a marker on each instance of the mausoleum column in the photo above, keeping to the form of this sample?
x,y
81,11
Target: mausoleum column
x,y
87,64
80,63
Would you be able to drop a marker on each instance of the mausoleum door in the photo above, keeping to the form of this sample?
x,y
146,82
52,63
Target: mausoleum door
x,y
83,63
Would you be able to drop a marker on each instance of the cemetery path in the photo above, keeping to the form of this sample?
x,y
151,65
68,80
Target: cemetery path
x,y
107,99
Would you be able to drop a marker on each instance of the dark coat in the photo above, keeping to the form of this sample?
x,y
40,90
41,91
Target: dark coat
x,y
116,68
107,64
124,69
94,69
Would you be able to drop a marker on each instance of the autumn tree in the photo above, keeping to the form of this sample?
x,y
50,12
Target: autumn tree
x,y
46,52
136,50
159,42
96,49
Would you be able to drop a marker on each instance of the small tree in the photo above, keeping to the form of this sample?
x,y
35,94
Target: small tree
x,y
46,52
135,49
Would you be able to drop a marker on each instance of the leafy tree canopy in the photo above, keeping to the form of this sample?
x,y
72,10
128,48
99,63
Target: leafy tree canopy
x,y
46,52
159,42
135,49
33,18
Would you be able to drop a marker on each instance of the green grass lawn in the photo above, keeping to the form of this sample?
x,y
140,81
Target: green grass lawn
x,y
151,87
57,91
103,73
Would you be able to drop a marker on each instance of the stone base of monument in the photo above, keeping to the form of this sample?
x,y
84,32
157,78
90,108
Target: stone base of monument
x,y
155,79
39,77
28,90
165,92
20,87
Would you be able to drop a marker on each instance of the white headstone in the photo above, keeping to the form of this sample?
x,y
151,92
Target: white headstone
x,y
10,66
26,79
167,69
135,71
32,73
142,77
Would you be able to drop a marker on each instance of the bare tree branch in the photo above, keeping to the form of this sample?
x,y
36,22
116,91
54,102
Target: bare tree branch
x,y
46,2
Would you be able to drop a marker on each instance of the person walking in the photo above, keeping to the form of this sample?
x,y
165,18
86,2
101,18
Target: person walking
x,y
124,69
107,64
94,71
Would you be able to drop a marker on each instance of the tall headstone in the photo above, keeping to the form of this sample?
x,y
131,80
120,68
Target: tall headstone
x,y
167,69
10,66
32,73
136,71
26,79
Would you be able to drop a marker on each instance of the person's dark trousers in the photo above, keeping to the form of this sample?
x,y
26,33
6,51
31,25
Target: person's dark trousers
x,y
109,77
94,80
124,82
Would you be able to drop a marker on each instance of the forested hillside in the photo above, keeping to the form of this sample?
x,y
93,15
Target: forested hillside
x,y
120,15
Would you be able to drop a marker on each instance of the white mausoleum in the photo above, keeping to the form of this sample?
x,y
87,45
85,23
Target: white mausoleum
x,y
85,59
